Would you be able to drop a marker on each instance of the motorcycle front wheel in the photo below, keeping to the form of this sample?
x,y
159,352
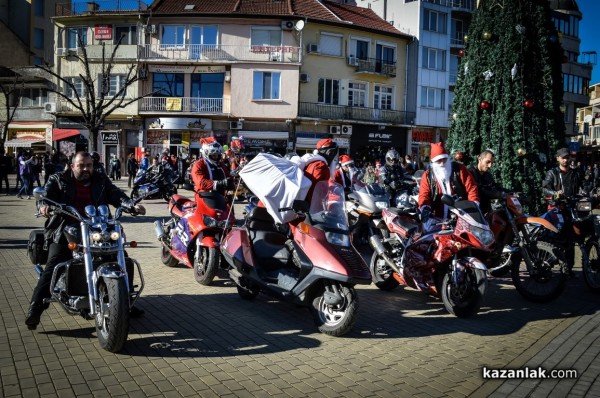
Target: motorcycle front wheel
x,y
545,280
134,193
112,319
206,265
464,297
336,319
382,274
591,267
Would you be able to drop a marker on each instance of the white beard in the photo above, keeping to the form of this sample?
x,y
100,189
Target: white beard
x,y
442,174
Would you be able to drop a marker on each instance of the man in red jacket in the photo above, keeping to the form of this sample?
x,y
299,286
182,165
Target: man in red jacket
x,y
210,172
444,177
318,167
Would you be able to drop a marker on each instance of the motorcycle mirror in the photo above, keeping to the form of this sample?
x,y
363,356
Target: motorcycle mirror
x,y
448,200
39,193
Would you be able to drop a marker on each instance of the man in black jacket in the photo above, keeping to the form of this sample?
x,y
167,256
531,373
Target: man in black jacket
x,y
488,189
563,181
77,186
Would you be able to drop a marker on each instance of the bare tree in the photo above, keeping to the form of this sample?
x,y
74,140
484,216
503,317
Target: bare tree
x,y
96,102
12,91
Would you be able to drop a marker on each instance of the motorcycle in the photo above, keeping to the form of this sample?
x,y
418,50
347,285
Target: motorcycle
x,y
193,233
444,261
98,282
363,207
157,181
308,261
585,229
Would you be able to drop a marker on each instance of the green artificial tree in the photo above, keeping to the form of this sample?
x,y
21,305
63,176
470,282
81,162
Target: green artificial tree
x,y
509,92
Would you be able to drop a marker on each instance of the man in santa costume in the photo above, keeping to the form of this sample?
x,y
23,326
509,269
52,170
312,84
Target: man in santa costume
x,y
347,174
444,177
320,165
210,172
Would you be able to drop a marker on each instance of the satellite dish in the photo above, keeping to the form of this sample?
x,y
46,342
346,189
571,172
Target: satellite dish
x,y
299,25
588,119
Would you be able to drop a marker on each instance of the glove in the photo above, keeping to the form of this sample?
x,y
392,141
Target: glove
x,y
425,213
558,194
393,185
220,184
127,204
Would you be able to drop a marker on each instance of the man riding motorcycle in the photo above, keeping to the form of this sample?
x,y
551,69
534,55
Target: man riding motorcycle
x,y
210,173
391,174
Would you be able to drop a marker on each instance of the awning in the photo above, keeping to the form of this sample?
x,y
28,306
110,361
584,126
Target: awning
x,y
21,143
61,134
265,135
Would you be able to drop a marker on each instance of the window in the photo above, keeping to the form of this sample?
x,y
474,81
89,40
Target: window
x,y
330,44
383,97
359,48
33,97
329,91
167,84
172,36
265,36
202,38
575,84
112,86
38,8
568,24
432,97
75,86
357,94
435,21
128,33
207,85
75,35
266,85
38,38
434,59
38,61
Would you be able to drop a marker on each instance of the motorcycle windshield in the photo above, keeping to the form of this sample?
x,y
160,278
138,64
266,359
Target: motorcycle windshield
x,y
472,210
327,206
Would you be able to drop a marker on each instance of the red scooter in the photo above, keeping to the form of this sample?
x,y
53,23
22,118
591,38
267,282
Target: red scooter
x,y
441,262
309,261
193,233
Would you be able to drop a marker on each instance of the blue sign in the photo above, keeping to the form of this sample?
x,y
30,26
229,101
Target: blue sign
x,y
574,146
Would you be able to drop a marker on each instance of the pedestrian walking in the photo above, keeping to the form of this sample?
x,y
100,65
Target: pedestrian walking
x,y
5,167
132,168
25,172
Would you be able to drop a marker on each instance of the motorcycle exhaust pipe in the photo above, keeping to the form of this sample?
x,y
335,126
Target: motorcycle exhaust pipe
x,y
376,244
159,230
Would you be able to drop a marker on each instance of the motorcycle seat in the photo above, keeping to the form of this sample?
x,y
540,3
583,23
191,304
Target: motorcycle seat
x,y
270,249
260,219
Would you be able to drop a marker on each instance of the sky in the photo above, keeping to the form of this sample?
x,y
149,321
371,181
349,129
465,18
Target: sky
x,y
589,32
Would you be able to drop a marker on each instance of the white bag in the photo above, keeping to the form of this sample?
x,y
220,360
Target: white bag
x,y
277,182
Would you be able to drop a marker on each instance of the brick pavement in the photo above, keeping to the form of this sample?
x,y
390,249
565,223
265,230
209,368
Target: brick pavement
x,y
207,341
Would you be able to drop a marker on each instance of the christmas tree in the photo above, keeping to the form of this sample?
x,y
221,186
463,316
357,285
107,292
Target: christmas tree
x,y
509,92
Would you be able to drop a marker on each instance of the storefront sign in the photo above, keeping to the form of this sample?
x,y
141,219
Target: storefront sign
x,y
257,142
380,138
155,137
178,123
175,138
422,135
103,32
110,137
210,69
171,68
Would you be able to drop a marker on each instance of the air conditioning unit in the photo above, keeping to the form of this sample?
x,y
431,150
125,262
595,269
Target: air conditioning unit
x,y
236,125
346,129
50,107
304,77
352,60
312,48
61,52
334,129
288,25
152,29
275,57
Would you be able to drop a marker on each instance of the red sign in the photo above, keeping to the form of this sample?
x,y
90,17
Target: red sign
x,y
422,136
103,32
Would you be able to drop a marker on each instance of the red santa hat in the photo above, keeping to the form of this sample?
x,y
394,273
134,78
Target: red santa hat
x,y
207,140
325,143
438,152
345,160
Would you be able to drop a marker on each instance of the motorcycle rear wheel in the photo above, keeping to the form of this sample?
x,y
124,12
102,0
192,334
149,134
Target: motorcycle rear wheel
x,y
207,265
591,268
546,280
167,258
382,274
464,299
112,319
336,320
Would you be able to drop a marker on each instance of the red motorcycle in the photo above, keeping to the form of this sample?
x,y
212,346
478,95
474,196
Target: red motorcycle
x,y
309,261
444,262
193,233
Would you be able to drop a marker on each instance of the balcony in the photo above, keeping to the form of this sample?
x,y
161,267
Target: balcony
x,y
205,106
219,53
125,51
99,6
372,65
457,39
456,5
30,113
340,112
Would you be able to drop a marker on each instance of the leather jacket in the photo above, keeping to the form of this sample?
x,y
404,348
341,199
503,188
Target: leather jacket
x,y
569,182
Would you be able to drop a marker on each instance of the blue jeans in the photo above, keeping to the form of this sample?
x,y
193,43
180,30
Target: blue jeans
x,y
25,185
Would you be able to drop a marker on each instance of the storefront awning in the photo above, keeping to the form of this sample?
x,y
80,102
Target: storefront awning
x,y
21,143
61,134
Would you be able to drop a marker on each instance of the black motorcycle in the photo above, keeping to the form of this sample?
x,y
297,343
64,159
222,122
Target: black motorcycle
x,y
158,182
97,283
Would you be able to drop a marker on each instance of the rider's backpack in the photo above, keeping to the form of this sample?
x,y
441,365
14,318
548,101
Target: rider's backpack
x,y
36,248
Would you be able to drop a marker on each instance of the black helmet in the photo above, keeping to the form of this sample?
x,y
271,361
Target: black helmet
x,y
392,157
95,156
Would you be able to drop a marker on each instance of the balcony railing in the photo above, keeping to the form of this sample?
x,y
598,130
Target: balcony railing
x,y
373,65
212,106
94,51
99,6
219,52
458,38
340,112
468,5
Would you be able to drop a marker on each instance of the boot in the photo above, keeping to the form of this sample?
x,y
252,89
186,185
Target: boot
x,y
570,273
33,315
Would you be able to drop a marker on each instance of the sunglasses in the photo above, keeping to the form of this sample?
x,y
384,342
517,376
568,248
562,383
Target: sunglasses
x,y
392,160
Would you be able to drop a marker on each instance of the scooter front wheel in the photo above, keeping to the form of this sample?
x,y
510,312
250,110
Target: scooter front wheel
x,y
206,264
335,309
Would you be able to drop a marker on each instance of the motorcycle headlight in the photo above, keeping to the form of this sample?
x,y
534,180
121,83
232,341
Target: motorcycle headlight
x,y
382,205
209,221
485,236
584,205
96,236
338,239
114,235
